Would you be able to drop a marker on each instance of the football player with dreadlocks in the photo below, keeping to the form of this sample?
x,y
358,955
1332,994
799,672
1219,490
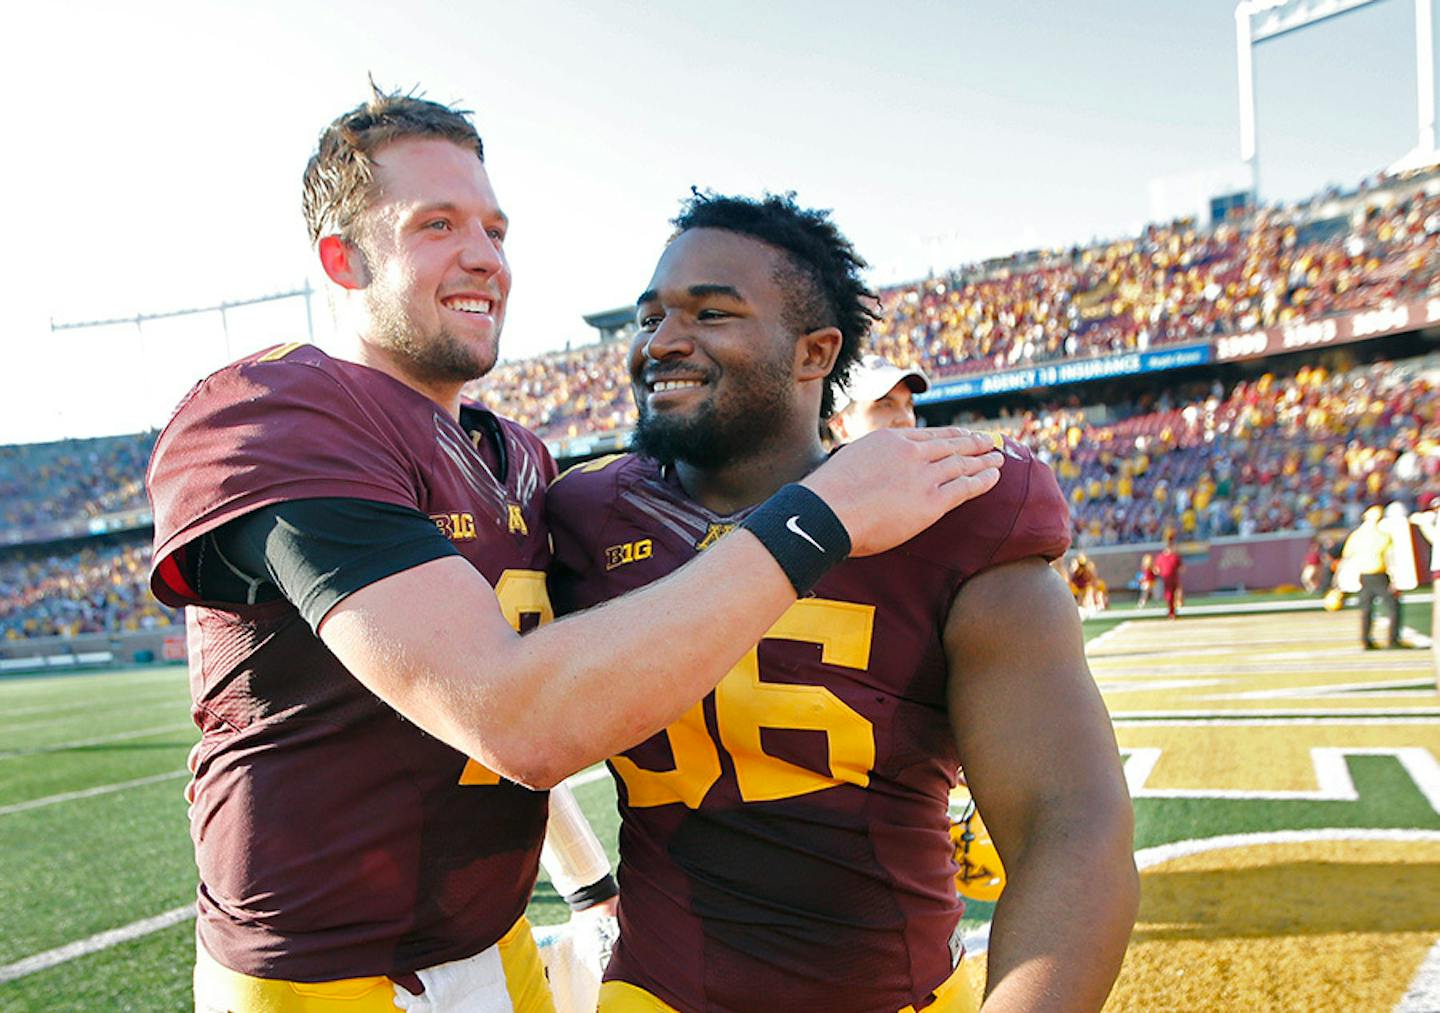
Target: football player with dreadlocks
x,y
786,844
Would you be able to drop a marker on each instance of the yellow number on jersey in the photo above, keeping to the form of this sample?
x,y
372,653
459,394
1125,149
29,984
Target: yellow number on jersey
x,y
697,766
521,593
744,704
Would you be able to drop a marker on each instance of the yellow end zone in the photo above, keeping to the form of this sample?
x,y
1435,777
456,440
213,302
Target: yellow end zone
x,y
1265,706
1298,920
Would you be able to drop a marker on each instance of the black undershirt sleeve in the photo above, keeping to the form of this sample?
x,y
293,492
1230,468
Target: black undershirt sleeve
x,y
313,552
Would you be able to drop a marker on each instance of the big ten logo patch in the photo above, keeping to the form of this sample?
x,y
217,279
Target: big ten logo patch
x,y
458,527
628,552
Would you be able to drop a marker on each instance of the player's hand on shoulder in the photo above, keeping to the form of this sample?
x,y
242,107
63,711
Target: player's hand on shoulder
x,y
892,484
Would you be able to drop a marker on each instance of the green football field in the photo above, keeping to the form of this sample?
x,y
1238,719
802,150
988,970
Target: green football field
x,y
1271,725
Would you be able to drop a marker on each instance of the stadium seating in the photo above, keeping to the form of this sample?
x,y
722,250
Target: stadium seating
x,y
1171,284
1304,451
95,589
45,482
1300,451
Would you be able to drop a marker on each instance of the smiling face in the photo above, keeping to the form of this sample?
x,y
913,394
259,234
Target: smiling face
x,y
713,363
436,278
895,410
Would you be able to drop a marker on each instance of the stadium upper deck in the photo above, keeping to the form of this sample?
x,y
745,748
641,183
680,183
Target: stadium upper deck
x,y
1208,452
1171,285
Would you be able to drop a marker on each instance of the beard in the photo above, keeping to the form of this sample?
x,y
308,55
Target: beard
x,y
435,357
720,431
438,357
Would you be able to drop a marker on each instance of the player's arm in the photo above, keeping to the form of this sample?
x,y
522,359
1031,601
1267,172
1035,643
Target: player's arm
x,y
432,640
1041,761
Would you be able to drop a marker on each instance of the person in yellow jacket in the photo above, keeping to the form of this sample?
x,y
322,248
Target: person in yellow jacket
x,y
1427,519
1365,553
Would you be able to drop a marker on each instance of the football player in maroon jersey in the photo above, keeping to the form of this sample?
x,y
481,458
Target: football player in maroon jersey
x,y
1169,568
360,551
785,844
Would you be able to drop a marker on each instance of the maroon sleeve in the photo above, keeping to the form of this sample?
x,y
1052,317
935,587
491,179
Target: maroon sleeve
x,y
577,507
263,432
1024,515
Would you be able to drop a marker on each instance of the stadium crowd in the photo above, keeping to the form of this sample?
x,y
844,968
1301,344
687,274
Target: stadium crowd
x,y
71,479
563,394
1299,452
1304,451
1171,284
94,589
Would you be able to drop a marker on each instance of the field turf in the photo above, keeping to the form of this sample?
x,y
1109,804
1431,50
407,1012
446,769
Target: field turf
x,y
1230,725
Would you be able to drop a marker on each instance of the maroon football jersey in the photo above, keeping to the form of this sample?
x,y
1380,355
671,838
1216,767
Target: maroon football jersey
x,y
786,844
334,838
1168,565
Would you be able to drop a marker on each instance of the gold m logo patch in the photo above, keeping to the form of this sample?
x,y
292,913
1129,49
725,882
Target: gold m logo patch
x,y
516,519
713,535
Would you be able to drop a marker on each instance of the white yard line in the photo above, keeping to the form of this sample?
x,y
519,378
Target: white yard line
x,y
6,713
104,789
1118,716
146,926
1423,995
60,747
1328,764
43,685
96,943
1147,858
1218,719
1100,638
1239,608
89,710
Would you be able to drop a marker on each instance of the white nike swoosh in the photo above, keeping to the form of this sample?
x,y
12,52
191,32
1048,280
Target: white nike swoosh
x,y
793,525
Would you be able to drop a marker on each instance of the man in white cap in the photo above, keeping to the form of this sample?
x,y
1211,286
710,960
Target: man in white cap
x,y
878,395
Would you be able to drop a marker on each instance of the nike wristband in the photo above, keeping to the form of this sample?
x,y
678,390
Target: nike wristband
x,y
800,530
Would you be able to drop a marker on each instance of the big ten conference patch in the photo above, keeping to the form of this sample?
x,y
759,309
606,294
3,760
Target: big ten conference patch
x,y
628,552
458,527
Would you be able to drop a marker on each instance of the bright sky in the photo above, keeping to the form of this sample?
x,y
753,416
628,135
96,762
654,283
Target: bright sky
x,y
157,155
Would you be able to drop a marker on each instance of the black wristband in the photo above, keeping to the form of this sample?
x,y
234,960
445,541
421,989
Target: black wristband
x,y
800,530
597,892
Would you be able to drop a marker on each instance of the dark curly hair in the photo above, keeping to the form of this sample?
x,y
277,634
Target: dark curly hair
x,y
340,178
820,272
